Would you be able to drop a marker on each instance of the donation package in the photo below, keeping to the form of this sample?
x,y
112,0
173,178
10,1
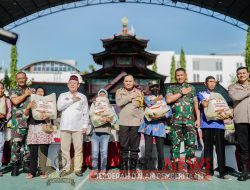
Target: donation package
x,y
44,105
157,111
102,109
2,106
217,105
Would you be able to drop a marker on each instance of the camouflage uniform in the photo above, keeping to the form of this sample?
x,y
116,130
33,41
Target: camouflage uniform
x,y
183,122
19,128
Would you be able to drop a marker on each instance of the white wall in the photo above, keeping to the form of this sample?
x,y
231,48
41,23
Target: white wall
x,y
229,65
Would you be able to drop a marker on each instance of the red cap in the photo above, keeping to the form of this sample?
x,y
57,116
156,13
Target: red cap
x,y
74,77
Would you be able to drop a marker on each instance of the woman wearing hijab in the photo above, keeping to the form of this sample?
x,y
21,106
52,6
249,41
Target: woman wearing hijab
x,y
102,117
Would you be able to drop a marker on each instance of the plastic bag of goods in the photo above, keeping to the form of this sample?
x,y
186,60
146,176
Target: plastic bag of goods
x,y
44,105
216,106
157,111
102,109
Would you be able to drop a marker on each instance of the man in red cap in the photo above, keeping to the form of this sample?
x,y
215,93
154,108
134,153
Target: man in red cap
x,y
74,122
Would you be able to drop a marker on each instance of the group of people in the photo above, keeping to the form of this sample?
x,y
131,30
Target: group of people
x,y
186,114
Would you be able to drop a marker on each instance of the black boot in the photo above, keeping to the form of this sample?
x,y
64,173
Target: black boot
x,y
15,170
26,167
244,173
161,165
124,168
132,166
145,169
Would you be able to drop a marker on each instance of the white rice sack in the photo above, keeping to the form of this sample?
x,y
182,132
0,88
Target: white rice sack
x,y
102,109
44,105
216,105
156,111
2,105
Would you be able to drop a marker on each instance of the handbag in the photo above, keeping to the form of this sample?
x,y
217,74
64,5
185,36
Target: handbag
x,y
48,128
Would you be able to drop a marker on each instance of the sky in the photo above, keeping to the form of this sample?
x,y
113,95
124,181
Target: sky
x,y
75,34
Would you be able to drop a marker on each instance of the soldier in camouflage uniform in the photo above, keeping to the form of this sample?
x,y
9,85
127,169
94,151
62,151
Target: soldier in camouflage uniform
x,y
186,116
20,99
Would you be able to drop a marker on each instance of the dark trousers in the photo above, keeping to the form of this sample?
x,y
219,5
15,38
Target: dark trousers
x,y
211,137
34,148
242,134
129,140
148,151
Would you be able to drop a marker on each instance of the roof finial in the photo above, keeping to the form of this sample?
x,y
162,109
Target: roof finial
x,y
124,26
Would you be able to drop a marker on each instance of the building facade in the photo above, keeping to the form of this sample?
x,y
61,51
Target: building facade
x,y
51,71
198,67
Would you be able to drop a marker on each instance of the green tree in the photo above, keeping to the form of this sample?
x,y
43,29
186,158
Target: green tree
x,y
154,67
6,79
92,68
182,59
247,50
172,70
13,66
233,79
85,72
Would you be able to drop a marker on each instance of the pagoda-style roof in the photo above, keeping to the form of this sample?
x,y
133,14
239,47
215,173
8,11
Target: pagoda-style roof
x,y
109,42
98,57
124,44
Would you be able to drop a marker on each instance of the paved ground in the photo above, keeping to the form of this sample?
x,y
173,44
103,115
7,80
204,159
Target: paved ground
x,y
85,183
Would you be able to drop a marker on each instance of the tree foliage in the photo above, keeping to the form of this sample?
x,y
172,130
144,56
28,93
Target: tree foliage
x,y
182,59
6,79
13,66
247,50
172,70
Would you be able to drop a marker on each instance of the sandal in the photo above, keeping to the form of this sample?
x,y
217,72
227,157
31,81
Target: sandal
x,y
29,176
43,176
93,174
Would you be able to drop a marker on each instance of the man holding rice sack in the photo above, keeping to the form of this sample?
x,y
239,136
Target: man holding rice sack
x,y
214,110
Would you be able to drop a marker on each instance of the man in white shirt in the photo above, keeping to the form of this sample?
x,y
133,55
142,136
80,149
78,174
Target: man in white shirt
x,y
74,122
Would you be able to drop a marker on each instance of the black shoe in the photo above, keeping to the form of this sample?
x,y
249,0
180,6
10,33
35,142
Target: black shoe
x,y
26,167
124,168
15,170
244,173
222,175
243,176
79,173
211,172
132,164
133,167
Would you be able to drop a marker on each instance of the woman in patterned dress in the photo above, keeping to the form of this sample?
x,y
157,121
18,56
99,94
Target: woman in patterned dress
x,y
37,139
